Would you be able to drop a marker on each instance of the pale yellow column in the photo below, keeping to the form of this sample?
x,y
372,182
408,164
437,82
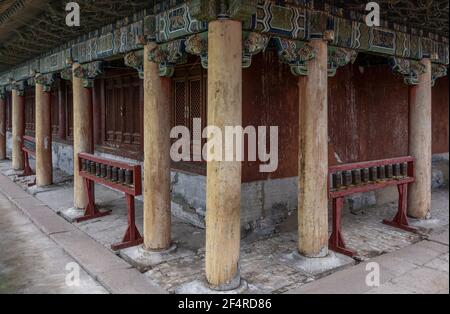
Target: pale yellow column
x,y
18,129
157,206
2,128
82,133
223,190
420,141
313,155
44,168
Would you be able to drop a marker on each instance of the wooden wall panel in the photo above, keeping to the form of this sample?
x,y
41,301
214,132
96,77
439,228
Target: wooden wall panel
x,y
30,105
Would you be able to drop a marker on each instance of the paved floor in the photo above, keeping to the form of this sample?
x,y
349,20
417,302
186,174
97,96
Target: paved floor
x,y
32,263
422,268
263,258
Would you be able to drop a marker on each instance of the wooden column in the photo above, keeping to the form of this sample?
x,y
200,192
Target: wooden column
x,y
313,155
2,126
44,168
18,129
223,190
420,140
157,206
82,130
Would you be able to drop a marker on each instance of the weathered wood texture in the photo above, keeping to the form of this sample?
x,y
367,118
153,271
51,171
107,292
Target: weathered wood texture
x,y
313,156
368,113
18,130
44,168
223,190
157,207
419,195
82,134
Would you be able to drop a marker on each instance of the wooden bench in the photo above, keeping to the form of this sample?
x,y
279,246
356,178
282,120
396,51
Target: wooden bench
x,y
116,175
348,179
28,149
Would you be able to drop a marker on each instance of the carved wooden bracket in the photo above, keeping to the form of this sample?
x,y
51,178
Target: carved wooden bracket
x,y
168,55
410,69
2,93
437,71
88,72
46,80
19,87
198,45
295,53
339,57
66,74
253,43
135,60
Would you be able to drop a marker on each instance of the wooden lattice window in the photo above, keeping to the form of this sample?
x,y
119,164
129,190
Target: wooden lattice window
x,y
189,99
54,101
68,95
9,111
30,105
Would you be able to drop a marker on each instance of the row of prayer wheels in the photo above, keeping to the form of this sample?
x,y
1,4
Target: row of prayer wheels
x,y
356,177
107,172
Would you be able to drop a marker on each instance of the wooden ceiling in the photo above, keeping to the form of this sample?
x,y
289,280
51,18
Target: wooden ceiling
x,y
31,27
5,4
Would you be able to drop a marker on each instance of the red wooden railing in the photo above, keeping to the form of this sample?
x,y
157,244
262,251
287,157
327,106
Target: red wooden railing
x,y
29,149
116,175
364,177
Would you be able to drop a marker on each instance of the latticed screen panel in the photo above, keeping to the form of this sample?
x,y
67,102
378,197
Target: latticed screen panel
x,y
195,98
8,111
30,97
54,111
189,103
69,108
179,108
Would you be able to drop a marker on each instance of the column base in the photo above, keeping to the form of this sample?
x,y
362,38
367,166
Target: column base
x,y
317,266
34,190
145,260
13,172
72,214
203,287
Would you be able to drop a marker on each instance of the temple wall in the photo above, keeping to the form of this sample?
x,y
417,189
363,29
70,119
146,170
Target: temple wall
x,y
368,113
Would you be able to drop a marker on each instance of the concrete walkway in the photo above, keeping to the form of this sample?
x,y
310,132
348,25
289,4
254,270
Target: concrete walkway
x,y
24,262
422,268
31,263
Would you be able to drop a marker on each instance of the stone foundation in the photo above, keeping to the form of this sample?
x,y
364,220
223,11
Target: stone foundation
x,y
264,204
